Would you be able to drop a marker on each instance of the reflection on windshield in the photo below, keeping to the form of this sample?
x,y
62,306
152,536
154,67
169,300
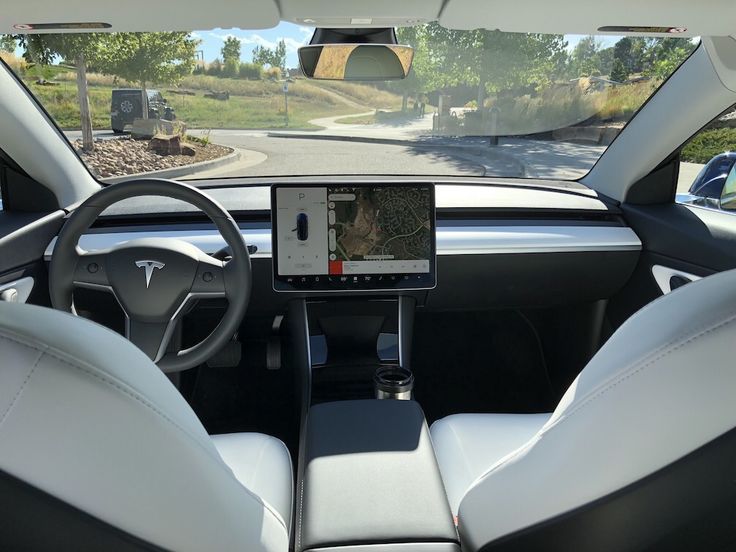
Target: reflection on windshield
x,y
209,104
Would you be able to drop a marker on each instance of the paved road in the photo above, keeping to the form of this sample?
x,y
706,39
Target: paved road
x,y
264,155
305,156
688,172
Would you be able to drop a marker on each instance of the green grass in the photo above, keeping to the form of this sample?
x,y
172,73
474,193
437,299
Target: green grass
x,y
362,94
61,102
251,112
252,104
709,143
622,102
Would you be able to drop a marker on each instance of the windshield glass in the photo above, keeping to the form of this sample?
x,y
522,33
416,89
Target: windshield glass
x,y
208,104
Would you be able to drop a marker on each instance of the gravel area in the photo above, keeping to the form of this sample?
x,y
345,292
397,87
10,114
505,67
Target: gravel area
x,y
121,156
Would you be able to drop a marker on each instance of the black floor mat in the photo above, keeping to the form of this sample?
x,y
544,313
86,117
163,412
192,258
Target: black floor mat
x,y
478,362
462,362
248,397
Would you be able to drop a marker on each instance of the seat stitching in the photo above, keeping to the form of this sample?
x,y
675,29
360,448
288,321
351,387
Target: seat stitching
x,y
686,335
90,371
299,517
635,370
21,388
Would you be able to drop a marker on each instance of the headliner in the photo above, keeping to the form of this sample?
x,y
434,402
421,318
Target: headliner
x,y
705,18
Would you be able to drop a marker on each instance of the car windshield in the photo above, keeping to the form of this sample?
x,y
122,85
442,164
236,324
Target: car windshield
x,y
216,103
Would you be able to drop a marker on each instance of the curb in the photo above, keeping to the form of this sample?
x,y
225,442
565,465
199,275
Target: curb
x,y
182,170
474,154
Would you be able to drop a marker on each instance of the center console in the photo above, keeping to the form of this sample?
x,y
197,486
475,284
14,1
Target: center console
x,y
369,480
356,258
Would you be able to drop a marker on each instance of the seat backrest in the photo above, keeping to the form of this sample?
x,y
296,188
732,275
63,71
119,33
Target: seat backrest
x,y
629,434
89,420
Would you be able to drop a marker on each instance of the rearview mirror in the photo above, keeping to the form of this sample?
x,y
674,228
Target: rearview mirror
x,y
355,62
728,194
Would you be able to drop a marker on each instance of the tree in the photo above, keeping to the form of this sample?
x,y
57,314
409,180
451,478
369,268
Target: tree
x,y
585,58
419,77
667,55
7,43
618,71
149,57
231,68
623,59
215,68
231,50
605,61
275,57
495,61
81,49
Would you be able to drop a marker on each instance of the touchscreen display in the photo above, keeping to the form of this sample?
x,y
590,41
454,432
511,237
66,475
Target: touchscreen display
x,y
353,237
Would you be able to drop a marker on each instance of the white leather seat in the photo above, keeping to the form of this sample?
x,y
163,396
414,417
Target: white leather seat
x,y
467,444
87,418
261,464
659,389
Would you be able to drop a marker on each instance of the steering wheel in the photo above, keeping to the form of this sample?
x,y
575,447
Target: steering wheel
x,y
155,279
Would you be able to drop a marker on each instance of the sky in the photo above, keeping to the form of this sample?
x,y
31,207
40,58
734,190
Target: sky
x,y
604,40
294,36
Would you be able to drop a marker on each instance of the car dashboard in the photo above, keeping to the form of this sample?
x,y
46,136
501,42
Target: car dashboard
x,y
500,245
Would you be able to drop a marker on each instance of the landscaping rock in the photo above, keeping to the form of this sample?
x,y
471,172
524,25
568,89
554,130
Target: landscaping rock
x,y
144,129
165,145
215,95
122,156
188,150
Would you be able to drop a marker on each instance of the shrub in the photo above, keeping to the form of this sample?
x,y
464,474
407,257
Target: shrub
x,y
709,143
215,68
17,64
231,69
251,71
273,73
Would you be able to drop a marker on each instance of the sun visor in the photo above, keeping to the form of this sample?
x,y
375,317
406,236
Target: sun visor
x,y
32,16
622,17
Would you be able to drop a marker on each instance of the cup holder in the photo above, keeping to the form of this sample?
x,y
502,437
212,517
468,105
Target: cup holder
x,y
393,382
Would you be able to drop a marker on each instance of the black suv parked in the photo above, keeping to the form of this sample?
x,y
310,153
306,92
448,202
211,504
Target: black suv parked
x,y
127,105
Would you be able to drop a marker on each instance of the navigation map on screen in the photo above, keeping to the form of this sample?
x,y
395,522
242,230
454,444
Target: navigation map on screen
x,y
381,229
354,234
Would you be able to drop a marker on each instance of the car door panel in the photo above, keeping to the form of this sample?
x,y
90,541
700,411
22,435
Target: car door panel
x,y
23,240
677,240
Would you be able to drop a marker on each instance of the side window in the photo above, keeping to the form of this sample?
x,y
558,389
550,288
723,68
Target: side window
x,y
708,165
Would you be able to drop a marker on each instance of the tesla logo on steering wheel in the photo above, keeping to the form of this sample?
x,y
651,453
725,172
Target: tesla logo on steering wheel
x,y
149,266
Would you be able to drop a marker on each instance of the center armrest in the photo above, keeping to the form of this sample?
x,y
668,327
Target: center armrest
x,y
370,476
